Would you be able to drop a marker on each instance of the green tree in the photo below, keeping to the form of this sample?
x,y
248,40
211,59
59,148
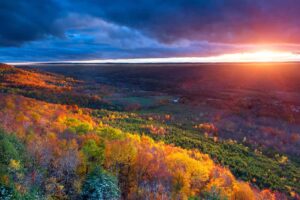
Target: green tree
x,y
100,185
6,193
10,149
110,133
12,158
93,154
78,127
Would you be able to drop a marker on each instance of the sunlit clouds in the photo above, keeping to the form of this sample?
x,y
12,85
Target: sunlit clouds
x,y
158,30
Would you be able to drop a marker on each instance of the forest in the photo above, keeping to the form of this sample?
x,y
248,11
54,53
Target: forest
x,y
58,141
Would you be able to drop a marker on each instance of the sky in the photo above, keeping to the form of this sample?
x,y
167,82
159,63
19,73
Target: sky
x,y
65,30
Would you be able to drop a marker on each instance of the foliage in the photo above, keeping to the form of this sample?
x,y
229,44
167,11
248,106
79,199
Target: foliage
x,y
213,194
100,185
6,193
11,152
59,152
242,191
144,168
12,160
263,171
93,154
110,133
77,126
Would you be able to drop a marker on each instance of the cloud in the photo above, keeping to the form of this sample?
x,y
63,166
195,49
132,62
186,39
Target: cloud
x,y
228,21
23,21
87,37
93,29
102,32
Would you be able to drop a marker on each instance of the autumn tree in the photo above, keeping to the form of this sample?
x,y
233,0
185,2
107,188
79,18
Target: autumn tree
x,y
120,157
242,191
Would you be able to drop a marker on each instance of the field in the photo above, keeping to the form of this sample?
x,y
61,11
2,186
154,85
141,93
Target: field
x,y
246,117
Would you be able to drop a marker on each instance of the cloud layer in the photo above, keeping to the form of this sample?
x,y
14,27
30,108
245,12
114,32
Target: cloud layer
x,y
65,29
25,21
215,20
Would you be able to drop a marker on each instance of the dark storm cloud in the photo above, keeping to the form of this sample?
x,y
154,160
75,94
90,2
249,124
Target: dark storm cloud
x,y
211,20
167,20
27,20
93,29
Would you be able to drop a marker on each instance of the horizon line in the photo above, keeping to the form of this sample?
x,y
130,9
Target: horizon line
x,y
255,57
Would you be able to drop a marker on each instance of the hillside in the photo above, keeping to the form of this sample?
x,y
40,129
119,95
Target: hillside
x,y
58,140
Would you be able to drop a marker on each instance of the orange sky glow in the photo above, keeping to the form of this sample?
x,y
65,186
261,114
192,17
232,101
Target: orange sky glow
x,y
259,56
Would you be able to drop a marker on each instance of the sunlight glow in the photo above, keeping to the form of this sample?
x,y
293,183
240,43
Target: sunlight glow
x,y
260,56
